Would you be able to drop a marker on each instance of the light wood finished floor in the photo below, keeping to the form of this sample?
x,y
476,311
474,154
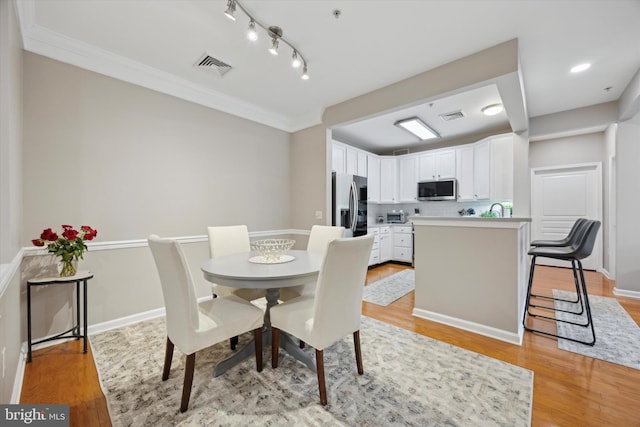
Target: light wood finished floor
x,y
569,389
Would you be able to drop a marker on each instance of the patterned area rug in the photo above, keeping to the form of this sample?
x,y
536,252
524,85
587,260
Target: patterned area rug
x,y
387,290
617,335
409,380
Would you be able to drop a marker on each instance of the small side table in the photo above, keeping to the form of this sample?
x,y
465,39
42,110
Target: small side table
x,y
74,332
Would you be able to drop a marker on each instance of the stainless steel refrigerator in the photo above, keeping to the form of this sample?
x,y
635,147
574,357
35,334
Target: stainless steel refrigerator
x,y
350,203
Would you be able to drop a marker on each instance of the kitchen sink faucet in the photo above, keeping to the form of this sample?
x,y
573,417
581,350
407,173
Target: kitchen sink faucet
x,y
501,209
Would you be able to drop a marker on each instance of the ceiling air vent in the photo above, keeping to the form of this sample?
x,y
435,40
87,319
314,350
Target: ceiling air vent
x,y
400,152
454,115
208,62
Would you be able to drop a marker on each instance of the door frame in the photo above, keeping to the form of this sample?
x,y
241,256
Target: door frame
x,y
597,167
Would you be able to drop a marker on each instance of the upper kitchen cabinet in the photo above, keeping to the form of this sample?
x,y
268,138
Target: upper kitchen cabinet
x,y
338,158
465,173
388,173
408,178
349,160
373,178
437,165
485,169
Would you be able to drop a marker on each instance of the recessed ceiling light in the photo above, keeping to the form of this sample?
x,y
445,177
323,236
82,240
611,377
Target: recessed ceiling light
x,y
492,110
580,67
418,128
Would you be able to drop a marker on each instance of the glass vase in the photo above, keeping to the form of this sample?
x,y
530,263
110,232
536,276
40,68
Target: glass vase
x,y
67,268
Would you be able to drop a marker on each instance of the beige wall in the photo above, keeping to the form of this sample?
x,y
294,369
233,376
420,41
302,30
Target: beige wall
x,y
568,151
130,162
10,195
10,131
309,166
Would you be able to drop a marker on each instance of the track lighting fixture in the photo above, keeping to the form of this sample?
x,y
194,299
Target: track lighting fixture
x,y
297,59
231,9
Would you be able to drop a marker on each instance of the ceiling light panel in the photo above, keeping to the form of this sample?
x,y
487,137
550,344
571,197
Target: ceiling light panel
x,y
418,128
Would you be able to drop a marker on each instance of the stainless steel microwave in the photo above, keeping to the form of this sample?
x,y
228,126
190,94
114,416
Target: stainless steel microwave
x,y
443,189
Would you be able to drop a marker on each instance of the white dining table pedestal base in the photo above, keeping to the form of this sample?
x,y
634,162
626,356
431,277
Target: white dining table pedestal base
x,y
287,342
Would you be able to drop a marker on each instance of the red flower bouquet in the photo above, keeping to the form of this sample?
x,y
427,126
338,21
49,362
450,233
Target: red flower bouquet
x,y
69,247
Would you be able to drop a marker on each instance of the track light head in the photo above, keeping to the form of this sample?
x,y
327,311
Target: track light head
x,y
231,9
305,75
295,61
252,34
275,33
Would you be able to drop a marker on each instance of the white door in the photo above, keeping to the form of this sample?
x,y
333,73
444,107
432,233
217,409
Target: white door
x,y
559,196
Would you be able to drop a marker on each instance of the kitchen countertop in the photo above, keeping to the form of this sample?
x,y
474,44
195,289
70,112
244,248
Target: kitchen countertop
x,y
470,221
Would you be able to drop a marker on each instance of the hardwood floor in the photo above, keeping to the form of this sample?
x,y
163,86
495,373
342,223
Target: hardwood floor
x,y
569,389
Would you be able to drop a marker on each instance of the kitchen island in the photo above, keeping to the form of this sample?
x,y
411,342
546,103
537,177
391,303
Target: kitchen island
x,y
471,273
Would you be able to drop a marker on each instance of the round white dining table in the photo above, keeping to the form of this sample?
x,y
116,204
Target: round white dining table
x,y
238,272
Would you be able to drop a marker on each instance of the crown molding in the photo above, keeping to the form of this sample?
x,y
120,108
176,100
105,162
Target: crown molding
x,y
42,41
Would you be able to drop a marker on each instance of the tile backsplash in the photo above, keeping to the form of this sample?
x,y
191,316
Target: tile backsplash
x,y
440,208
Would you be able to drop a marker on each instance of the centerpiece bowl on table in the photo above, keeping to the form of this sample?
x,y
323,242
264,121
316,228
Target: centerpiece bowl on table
x,y
271,251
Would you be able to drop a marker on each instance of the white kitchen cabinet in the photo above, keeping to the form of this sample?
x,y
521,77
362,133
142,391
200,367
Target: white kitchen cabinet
x,y
352,161
338,158
408,178
402,243
386,245
374,258
362,164
502,167
436,165
388,180
485,169
482,170
465,173
373,178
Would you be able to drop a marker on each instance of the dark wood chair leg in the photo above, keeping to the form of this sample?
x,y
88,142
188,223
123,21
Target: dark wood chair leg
x,y
168,356
320,368
233,342
275,346
188,381
356,344
257,337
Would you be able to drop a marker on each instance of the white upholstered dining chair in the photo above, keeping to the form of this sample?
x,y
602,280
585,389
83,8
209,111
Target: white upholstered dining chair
x,y
334,311
229,240
319,239
192,326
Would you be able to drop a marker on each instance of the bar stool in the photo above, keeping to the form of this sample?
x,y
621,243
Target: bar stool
x,y
580,248
575,233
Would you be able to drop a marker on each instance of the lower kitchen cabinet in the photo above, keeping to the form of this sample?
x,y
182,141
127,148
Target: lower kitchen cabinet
x,y
391,243
402,243
386,247
374,258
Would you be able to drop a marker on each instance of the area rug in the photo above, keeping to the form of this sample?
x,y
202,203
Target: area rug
x,y
409,380
617,334
387,290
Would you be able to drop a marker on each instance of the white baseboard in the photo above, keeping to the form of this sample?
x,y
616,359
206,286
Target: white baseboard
x,y
625,293
488,331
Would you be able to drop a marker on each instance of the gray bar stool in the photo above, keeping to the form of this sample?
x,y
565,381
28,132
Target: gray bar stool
x,y
571,239
580,248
